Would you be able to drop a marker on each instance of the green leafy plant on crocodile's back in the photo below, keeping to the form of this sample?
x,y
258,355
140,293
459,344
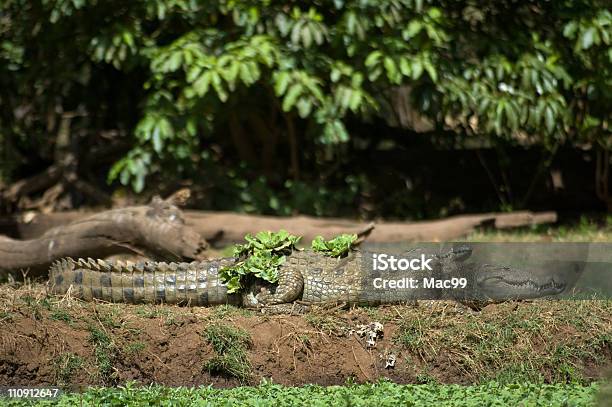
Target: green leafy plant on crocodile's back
x,y
337,247
263,254
260,256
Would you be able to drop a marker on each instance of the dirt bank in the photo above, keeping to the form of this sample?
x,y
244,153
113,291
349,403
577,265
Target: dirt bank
x,y
58,340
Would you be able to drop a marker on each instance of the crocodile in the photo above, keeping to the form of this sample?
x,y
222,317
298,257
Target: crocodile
x,y
305,278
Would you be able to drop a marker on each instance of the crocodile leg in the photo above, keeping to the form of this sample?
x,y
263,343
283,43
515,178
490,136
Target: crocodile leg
x,y
290,286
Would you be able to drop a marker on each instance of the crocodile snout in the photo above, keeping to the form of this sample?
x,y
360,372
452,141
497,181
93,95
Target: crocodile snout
x,y
502,283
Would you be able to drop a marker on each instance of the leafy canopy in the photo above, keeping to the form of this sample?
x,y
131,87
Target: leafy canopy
x,y
185,78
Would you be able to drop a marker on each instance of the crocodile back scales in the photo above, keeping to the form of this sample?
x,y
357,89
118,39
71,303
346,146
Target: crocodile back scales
x,y
195,283
324,279
350,279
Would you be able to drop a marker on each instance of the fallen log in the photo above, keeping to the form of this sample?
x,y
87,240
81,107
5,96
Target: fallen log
x,y
157,231
226,227
232,226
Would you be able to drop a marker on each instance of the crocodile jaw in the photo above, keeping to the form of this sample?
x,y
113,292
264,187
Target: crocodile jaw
x,y
501,283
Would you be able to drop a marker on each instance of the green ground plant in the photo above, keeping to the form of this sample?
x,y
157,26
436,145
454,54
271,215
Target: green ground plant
x,y
230,345
506,345
60,314
135,348
105,353
66,365
382,393
224,311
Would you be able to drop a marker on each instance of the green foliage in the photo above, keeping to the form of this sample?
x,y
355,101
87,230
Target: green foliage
x,y
262,256
105,353
60,314
230,345
134,348
65,367
280,242
184,79
339,246
382,393
264,253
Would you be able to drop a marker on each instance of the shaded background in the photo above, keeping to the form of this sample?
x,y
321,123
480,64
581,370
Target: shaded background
x,y
403,109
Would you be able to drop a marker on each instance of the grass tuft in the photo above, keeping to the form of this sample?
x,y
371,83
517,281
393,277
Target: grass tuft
x,y
329,324
230,345
65,366
105,353
60,314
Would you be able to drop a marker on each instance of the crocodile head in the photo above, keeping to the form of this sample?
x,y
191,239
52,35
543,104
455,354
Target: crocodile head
x,y
502,283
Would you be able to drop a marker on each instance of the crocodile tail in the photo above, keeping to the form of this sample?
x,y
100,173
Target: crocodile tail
x,y
195,283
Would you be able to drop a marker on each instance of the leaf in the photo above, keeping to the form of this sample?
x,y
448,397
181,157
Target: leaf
x,y
218,86
318,244
374,74
290,98
335,75
306,36
254,72
588,37
372,59
418,5
231,73
434,13
174,62
431,70
337,247
512,116
414,27
570,29
483,105
281,82
202,84
318,35
157,143
193,73
304,106
391,69
233,285
549,119
344,96
282,23
417,69
356,79
355,100
245,74
138,183
296,32
405,67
